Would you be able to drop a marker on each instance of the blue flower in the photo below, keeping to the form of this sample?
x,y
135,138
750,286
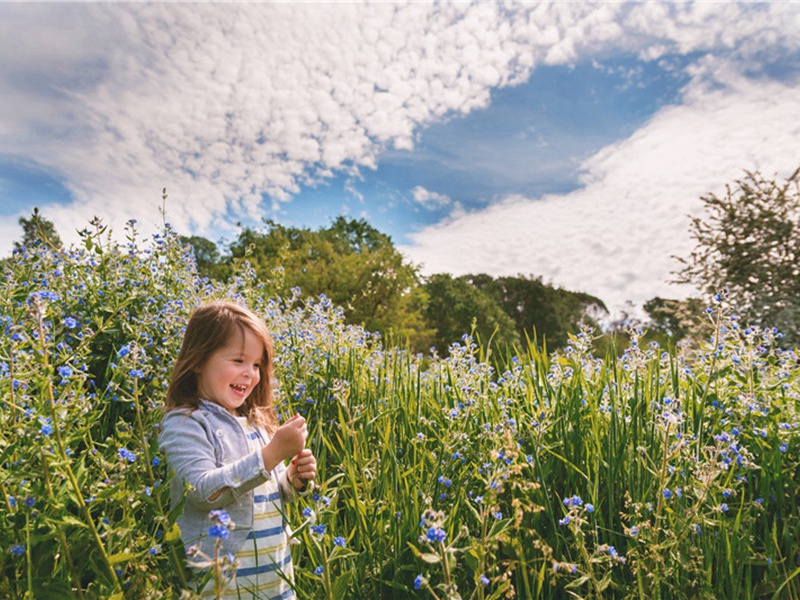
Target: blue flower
x,y
220,516
17,549
65,371
70,323
319,570
155,462
436,535
136,373
418,581
667,494
30,501
634,530
484,579
723,507
218,531
339,541
318,529
307,512
126,454
590,508
564,521
46,430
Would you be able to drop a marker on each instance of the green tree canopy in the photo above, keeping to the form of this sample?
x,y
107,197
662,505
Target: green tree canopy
x,y
455,303
206,255
748,242
353,264
38,230
539,310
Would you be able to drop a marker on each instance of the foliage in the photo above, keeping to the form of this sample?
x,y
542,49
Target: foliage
x,y
353,264
541,311
749,243
38,230
650,475
455,307
206,256
676,319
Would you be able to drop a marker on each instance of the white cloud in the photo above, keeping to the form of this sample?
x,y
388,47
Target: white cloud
x,y
430,200
223,102
616,236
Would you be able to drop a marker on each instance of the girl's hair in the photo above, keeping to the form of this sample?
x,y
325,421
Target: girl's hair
x,y
210,327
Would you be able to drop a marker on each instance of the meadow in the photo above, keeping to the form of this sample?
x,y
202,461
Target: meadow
x,y
487,473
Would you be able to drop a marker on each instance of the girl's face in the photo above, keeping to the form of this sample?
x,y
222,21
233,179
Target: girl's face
x,y
229,375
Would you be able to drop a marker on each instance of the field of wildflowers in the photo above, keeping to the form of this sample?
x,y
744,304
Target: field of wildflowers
x,y
655,474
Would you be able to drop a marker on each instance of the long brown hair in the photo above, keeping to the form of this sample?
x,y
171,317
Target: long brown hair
x,y
210,327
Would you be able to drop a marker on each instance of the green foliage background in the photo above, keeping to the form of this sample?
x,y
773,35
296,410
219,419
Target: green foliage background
x,y
654,474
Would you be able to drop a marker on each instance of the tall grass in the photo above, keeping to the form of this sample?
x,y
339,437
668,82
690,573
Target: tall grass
x,y
656,474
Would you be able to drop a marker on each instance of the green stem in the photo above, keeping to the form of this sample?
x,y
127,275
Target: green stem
x,y
76,581
29,592
66,462
326,575
173,553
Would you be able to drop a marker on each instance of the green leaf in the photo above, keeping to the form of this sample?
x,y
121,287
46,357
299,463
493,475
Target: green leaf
x,y
430,558
120,557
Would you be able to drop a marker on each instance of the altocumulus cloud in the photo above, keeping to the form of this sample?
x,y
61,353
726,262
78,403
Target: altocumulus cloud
x,y
224,103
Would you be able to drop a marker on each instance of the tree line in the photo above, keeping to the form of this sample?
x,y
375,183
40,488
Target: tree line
x,y
747,248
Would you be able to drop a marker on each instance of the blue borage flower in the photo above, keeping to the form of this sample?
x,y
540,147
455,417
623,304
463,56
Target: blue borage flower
x,y
319,570
126,454
339,541
218,531
419,580
436,535
17,549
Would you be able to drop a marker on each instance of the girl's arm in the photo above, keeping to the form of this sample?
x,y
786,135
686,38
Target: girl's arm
x,y
190,453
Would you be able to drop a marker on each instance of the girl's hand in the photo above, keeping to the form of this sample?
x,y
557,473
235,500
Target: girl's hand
x,y
302,469
286,442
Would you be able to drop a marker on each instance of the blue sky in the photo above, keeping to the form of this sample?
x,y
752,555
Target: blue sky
x,y
568,140
531,140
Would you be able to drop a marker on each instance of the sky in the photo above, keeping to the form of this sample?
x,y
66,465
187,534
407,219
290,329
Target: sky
x,y
570,141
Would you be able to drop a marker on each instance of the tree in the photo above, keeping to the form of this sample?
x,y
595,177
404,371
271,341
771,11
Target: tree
x,y
206,255
353,264
676,319
539,310
455,303
749,243
38,230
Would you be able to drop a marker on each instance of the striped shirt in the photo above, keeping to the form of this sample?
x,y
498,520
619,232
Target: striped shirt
x,y
264,562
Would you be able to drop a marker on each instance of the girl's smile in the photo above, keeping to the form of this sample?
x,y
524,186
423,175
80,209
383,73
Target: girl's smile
x,y
232,372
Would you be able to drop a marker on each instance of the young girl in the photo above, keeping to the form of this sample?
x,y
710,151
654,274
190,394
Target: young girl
x,y
221,437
